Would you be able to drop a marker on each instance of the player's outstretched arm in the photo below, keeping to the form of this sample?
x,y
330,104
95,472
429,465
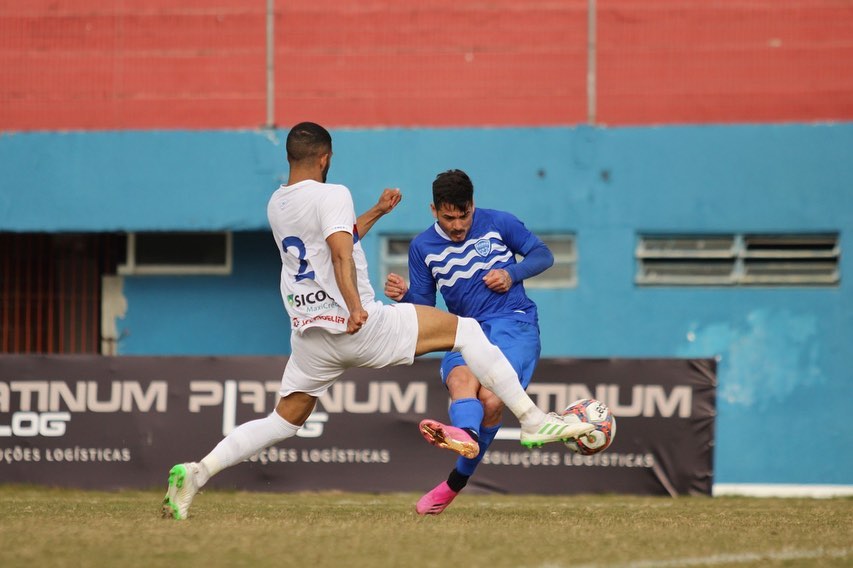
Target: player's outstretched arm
x,y
387,202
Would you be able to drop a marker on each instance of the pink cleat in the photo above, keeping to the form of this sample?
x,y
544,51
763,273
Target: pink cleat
x,y
450,438
437,500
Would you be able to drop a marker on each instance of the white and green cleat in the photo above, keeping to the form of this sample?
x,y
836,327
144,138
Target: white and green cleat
x,y
182,489
554,428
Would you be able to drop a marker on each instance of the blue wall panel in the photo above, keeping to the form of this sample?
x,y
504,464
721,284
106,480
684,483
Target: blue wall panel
x,y
240,314
784,380
101,181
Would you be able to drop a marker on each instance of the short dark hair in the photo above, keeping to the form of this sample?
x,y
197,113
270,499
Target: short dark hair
x,y
454,188
306,140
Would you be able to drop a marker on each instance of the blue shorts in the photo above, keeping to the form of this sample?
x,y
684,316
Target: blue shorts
x,y
518,340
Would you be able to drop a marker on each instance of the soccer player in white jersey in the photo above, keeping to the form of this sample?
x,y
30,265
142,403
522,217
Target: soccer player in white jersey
x,y
469,256
337,323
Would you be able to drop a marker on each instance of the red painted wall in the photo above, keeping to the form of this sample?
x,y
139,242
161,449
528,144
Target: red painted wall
x,y
433,63
701,61
101,64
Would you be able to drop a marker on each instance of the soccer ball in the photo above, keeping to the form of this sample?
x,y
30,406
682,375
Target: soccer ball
x,y
594,412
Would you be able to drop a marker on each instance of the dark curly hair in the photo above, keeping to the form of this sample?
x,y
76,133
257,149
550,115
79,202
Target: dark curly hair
x,y
454,188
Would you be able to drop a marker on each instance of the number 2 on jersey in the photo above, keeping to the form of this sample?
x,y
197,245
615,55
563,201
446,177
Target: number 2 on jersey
x,y
296,243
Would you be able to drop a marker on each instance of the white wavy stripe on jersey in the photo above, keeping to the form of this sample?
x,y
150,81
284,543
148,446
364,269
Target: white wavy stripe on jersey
x,y
459,248
462,261
448,282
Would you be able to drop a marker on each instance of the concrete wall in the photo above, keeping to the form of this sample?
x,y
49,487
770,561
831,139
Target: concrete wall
x,y
784,388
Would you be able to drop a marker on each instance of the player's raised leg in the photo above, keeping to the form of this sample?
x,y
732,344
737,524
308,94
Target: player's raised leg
x,y
466,411
441,331
449,438
478,410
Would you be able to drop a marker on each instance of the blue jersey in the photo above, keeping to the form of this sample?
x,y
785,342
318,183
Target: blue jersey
x,y
457,269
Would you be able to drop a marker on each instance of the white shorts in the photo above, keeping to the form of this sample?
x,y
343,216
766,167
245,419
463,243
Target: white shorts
x,y
318,357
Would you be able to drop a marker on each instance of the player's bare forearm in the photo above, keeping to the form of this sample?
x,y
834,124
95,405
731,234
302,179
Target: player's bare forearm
x,y
347,279
387,202
340,244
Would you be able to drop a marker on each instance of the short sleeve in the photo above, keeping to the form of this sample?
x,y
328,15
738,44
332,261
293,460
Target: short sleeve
x,y
337,212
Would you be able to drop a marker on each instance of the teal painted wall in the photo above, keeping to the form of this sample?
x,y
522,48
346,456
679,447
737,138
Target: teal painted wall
x,y
240,314
781,350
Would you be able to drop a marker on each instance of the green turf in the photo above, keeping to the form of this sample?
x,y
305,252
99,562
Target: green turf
x,y
53,527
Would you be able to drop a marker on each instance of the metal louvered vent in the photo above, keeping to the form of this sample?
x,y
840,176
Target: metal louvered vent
x,y
739,260
791,259
564,272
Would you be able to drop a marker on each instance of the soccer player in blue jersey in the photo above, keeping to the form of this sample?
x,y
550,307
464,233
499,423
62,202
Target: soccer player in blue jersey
x,y
469,256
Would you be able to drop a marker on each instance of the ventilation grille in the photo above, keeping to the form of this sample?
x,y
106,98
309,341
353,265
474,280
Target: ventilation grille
x,y
738,260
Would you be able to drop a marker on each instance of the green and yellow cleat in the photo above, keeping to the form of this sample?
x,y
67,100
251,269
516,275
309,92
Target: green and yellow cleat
x,y
554,428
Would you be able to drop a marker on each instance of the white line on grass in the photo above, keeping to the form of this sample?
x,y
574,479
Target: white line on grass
x,y
721,559
817,491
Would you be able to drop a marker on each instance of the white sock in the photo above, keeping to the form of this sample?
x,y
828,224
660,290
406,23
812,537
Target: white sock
x,y
494,372
243,442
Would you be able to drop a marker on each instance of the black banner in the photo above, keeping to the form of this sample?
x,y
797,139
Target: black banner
x,y
122,422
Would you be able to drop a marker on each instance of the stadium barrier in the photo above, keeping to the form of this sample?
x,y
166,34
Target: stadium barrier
x,y
121,422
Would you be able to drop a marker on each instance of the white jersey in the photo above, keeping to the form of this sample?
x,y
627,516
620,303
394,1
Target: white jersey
x,y
301,216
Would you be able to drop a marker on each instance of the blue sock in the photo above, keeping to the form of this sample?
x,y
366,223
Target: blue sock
x,y
466,413
467,466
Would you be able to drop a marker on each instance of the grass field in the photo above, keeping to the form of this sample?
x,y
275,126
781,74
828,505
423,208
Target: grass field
x,y
53,527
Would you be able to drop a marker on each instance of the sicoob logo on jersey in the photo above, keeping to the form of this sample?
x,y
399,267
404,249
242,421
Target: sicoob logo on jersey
x,y
483,247
313,300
